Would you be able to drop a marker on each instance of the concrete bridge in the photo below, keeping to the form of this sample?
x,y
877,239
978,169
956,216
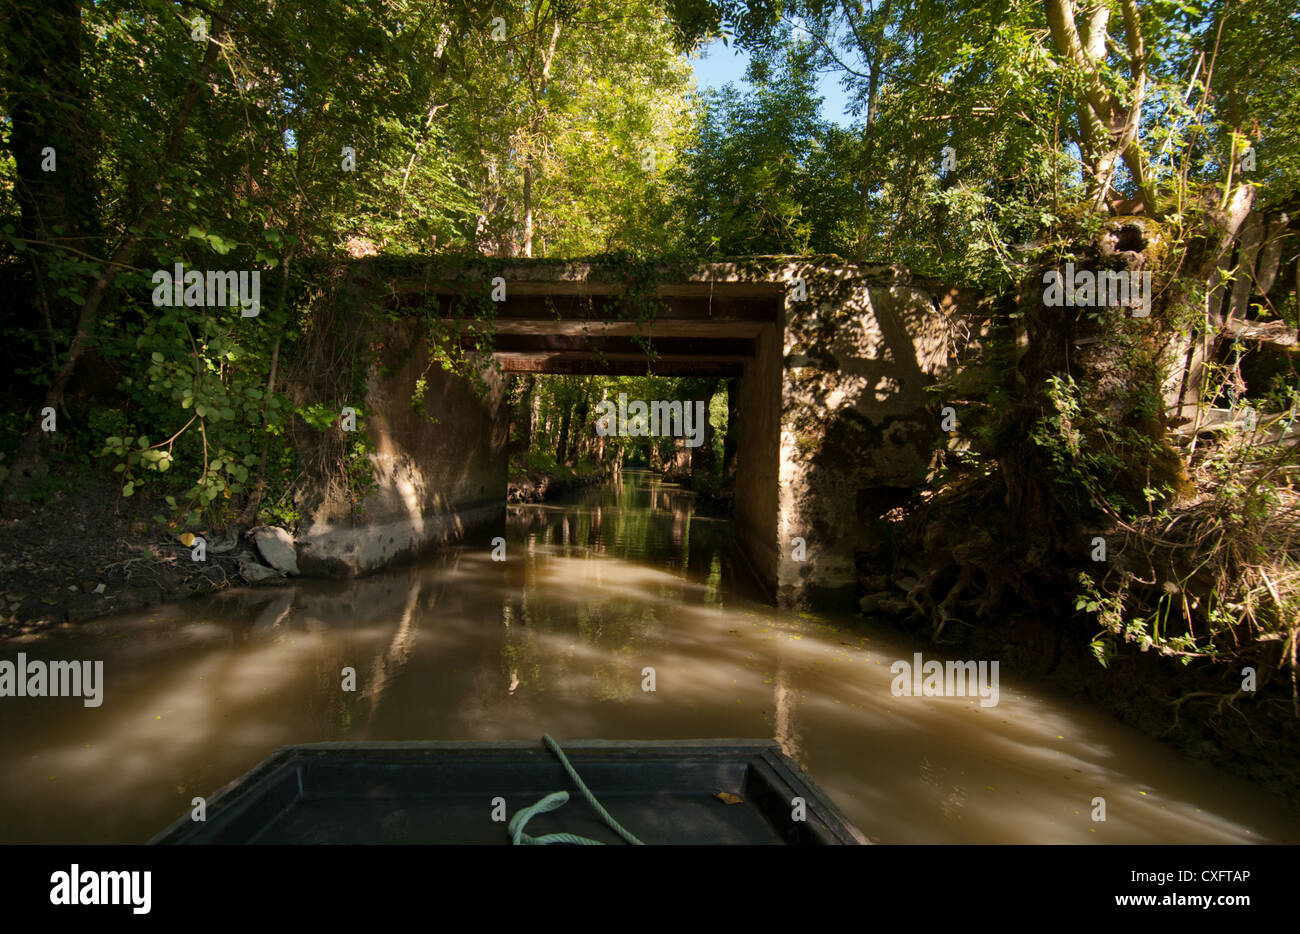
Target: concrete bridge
x,y
835,426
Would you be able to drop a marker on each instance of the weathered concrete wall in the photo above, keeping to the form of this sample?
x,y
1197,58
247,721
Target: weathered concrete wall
x,y
835,424
858,428
440,467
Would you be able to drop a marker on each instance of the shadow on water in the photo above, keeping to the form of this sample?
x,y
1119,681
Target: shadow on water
x,y
555,640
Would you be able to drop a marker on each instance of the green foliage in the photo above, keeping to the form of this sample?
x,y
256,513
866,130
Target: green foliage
x,y
1098,464
919,78
552,399
755,177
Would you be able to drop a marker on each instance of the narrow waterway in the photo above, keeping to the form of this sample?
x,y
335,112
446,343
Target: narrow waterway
x,y
555,639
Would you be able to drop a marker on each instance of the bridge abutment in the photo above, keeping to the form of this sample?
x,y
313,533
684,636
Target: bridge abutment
x,y
834,423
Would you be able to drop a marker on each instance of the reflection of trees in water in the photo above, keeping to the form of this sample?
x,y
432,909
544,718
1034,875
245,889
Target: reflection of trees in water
x,y
592,648
713,580
584,636
592,536
640,520
367,604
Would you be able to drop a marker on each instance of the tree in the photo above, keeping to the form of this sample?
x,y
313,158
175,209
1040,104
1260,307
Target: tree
x,y
750,176
276,138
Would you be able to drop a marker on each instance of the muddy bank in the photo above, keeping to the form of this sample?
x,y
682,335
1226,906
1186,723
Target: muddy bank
x,y
536,485
76,558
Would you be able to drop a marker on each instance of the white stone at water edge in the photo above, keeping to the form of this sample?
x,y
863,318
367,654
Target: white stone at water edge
x,y
276,546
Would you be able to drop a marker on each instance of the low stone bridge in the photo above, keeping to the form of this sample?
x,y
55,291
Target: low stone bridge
x,y
835,425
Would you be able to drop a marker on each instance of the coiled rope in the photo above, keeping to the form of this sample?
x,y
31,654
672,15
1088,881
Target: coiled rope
x,y
552,801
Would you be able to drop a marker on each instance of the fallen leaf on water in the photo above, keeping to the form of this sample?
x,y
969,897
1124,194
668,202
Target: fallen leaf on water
x,y
727,797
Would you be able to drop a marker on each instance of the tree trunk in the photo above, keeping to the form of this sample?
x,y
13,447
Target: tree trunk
x,y
1108,122
730,448
49,102
579,435
528,212
522,430
561,449
702,457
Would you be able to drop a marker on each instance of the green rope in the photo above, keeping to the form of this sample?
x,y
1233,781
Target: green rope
x,y
559,799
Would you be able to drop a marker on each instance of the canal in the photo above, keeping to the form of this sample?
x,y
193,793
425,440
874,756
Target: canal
x,y
594,589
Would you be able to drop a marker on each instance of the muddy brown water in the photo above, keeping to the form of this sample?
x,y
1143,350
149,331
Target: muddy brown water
x,y
595,589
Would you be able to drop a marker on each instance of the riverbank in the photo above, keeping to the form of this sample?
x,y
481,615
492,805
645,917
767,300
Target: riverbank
x,y
75,558
72,559
535,486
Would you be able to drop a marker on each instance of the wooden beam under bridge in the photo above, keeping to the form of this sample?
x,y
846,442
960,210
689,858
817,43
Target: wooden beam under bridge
x,y
616,364
721,349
